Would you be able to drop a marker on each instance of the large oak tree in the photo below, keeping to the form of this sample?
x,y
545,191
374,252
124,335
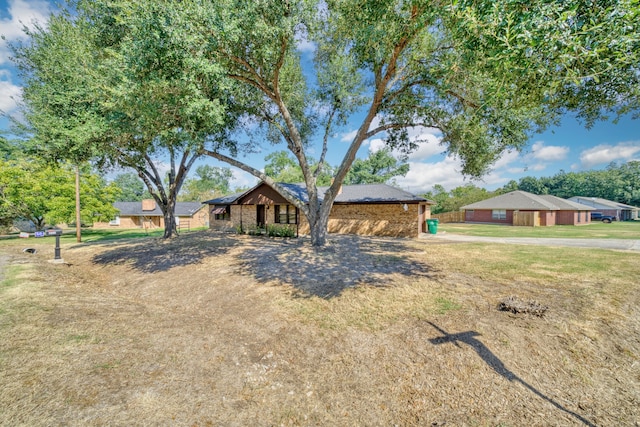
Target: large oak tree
x,y
487,74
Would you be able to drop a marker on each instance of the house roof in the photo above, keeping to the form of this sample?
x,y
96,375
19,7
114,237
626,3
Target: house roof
x,y
135,209
361,193
224,200
600,203
564,204
522,200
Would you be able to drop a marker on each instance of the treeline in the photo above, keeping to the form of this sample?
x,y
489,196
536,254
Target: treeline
x,y
618,182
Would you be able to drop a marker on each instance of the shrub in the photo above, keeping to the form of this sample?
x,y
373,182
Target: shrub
x,y
277,230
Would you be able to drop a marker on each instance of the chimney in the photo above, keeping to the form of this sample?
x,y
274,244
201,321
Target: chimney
x,y
148,205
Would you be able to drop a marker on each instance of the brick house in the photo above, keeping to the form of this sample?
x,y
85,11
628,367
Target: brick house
x,y
147,214
620,211
546,210
367,209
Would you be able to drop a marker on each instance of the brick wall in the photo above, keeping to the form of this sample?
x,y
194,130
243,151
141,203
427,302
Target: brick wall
x,y
573,218
374,220
364,219
485,215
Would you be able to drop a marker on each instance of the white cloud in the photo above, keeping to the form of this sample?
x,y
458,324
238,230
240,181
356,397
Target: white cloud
x,y
348,137
515,171
605,153
427,139
242,179
423,176
537,167
20,13
304,45
506,159
551,153
11,95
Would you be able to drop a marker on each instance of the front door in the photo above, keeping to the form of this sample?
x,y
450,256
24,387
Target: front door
x,y
260,215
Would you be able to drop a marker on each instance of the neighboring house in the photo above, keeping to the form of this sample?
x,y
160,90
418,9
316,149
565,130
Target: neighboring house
x,y
147,214
368,209
607,207
545,210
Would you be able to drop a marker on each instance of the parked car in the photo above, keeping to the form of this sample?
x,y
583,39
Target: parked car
x,y
598,216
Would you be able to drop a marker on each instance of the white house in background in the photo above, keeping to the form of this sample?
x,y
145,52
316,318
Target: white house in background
x,y
621,211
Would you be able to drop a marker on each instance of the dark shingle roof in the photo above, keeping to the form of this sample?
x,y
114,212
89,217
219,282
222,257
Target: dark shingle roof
x,y
224,200
135,209
362,193
373,193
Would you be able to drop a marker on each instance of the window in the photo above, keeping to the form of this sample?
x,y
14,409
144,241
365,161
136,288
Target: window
x,y
499,214
285,214
222,213
115,221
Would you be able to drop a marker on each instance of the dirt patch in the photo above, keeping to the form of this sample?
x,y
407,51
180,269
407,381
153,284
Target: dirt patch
x,y
215,329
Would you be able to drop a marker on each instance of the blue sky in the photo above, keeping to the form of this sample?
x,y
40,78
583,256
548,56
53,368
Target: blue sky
x,y
568,147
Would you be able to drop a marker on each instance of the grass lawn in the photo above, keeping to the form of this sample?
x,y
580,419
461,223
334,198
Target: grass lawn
x,y
223,329
595,230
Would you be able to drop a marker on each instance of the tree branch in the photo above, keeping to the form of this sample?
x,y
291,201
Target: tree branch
x,y
325,140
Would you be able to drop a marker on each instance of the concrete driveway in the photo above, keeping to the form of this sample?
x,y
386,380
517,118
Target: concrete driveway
x,y
617,244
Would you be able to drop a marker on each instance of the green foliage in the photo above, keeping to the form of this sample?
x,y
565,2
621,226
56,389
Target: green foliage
x,y
452,201
284,168
6,148
91,92
620,183
380,167
210,182
45,194
281,230
254,230
131,188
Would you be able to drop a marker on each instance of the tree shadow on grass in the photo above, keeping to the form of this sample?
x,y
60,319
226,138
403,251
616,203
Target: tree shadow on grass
x,y
157,255
469,338
346,261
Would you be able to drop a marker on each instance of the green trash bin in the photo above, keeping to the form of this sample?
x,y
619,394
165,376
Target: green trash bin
x,y
432,226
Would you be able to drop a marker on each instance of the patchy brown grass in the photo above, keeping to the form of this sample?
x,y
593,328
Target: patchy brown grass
x,y
212,329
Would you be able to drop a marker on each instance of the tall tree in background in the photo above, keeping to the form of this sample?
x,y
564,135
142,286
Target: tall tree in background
x,y
59,121
131,187
209,182
44,193
281,166
630,178
452,201
380,167
619,183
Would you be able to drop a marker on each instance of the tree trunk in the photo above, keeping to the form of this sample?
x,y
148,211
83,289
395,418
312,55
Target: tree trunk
x,y
318,225
170,229
78,220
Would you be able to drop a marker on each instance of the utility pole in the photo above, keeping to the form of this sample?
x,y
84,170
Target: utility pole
x,y
78,230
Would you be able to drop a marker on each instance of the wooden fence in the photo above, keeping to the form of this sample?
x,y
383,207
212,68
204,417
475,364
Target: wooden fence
x,y
449,216
526,219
